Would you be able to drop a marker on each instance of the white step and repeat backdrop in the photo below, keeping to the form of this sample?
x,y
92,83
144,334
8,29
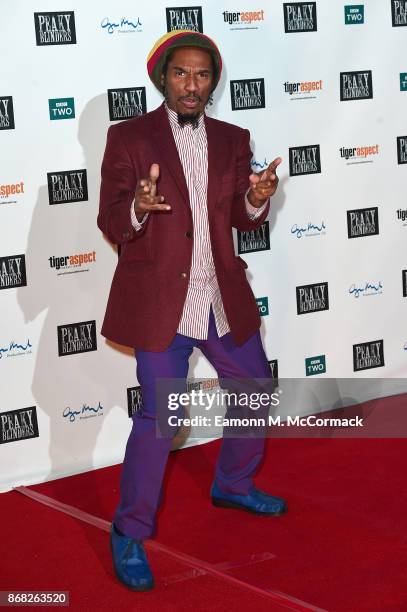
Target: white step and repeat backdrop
x,y
323,84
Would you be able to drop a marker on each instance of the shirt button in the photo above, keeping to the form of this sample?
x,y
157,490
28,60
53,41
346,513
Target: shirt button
x,y
188,234
183,274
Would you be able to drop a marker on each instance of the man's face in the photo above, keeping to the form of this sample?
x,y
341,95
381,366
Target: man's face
x,y
188,81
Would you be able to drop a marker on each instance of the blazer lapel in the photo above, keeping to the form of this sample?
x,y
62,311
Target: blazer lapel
x,y
215,161
164,142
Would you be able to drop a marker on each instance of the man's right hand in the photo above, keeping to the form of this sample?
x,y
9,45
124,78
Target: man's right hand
x,y
146,199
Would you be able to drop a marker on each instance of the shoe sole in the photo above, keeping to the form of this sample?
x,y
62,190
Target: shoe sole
x,y
222,503
129,586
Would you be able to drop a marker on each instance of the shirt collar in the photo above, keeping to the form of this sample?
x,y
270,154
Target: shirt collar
x,y
173,118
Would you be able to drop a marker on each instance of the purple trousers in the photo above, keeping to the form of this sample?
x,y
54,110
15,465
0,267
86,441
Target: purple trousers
x,y
146,453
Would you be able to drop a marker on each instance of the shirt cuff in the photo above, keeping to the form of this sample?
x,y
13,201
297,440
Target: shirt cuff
x,y
252,211
134,221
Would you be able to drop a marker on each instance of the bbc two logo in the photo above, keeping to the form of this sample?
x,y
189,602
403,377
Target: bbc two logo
x,y
55,28
184,18
74,338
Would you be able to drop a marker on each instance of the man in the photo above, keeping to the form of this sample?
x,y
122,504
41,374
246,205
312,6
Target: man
x,y
174,183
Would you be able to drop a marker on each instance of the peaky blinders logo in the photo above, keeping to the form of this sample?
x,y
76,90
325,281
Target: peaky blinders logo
x,y
304,160
398,13
6,113
312,298
134,400
247,94
126,102
254,240
404,282
184,18
402,149
356,85
19,424
367,355
67,186
363,222
55,28
76,338
300,17
12,272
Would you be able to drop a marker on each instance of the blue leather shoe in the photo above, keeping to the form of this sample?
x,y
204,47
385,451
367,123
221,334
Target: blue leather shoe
x,y
256,501
130,562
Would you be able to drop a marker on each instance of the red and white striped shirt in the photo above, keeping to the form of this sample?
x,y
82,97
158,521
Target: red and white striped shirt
x,y
203,289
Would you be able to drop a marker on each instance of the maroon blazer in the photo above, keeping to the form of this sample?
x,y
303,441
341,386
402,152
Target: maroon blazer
x,y
151,279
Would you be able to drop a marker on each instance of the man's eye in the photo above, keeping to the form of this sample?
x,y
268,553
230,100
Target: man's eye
x,y
179,72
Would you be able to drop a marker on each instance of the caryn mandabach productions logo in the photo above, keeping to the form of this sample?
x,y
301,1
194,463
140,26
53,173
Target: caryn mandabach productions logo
x,y
19,424
61,108
134,400
300,17
122,25
254,240
398,13
126,102
366,288
184,18
67,186
312,298
12,272
308,229
247,94
74,338
367,355
356,85
304,160
363,222
402,149
55,28
15,349
6,113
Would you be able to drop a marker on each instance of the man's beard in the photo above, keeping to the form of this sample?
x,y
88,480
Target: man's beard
x,y
191,118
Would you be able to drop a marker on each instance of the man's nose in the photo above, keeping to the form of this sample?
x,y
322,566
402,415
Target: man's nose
x,y
191,83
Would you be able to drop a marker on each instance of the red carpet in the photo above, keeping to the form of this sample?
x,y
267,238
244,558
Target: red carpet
x,y
342,545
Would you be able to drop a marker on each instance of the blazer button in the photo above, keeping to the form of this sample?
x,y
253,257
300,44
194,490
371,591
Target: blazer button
x,y
183,274
188,234
126,235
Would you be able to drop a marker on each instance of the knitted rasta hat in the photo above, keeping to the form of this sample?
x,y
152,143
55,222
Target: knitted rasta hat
x,y
173,40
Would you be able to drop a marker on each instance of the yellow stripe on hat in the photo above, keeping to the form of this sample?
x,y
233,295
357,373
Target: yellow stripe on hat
x,y
164,39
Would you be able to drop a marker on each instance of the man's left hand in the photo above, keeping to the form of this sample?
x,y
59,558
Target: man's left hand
x,y
263,184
